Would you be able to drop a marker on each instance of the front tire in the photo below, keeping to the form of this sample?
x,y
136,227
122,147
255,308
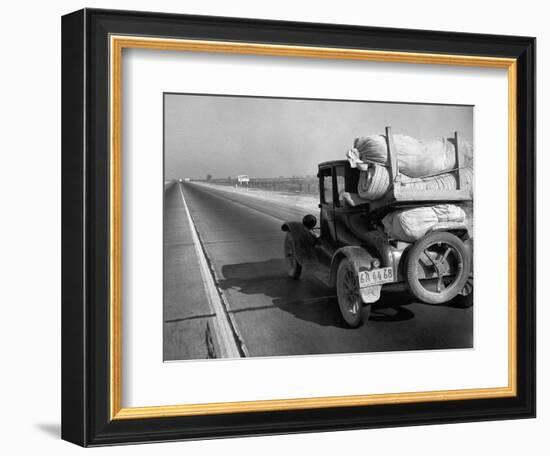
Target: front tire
x,y
293,267
349,297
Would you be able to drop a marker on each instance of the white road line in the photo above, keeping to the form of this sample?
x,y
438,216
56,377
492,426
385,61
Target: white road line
x,y
222,326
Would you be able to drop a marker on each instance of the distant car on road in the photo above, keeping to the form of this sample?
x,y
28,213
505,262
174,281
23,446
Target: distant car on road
x,y
351,252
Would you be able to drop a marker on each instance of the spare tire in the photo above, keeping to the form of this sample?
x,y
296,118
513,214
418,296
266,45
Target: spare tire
x,y
437,267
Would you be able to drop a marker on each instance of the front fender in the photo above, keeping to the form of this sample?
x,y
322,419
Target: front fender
x,y
304,241
360,259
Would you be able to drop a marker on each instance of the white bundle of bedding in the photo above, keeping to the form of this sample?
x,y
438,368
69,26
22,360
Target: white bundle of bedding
x,y
409,225
422,164
375,181
415,158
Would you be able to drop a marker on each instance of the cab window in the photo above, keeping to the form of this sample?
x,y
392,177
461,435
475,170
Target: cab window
x,y
340,173
326,186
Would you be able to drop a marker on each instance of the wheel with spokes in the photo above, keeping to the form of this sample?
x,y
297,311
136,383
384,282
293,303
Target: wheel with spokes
x,y
293,267
437,267
349,297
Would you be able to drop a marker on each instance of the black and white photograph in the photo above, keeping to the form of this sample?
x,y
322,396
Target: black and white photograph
x,y
316,226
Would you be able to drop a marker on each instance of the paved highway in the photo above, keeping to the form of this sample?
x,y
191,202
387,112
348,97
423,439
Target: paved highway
x,y
240,302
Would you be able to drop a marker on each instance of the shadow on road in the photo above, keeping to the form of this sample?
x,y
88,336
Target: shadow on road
x,y
388,310
306,299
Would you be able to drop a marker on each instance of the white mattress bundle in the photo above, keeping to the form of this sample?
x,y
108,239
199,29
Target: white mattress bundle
x,y
423,165
375,182
409,225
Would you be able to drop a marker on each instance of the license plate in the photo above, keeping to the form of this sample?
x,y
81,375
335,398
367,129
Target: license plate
x,y
375,277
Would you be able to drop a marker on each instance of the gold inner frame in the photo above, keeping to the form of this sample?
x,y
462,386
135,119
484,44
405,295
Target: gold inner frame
x,y
117,44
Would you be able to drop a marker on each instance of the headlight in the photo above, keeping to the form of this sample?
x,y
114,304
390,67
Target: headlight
x,y
376,263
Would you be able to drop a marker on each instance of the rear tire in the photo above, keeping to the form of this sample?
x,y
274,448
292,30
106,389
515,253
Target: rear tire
x,y
349,297
293,267
418,254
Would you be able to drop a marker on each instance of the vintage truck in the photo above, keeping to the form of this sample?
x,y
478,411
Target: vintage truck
x,y
349,250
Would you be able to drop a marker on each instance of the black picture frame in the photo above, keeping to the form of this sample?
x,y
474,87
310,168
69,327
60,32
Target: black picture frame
x,y
85,227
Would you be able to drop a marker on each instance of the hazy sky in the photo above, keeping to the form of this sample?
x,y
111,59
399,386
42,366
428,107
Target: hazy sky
x,y
269,137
